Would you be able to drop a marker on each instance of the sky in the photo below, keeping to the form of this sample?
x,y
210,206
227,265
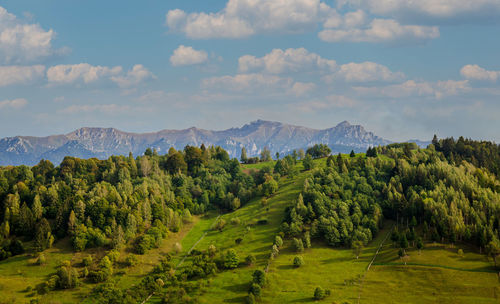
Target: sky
x,y
402,69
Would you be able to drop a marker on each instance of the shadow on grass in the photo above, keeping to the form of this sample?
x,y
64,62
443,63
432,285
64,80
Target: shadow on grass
x,y
240,299
303,300
286,267
238,287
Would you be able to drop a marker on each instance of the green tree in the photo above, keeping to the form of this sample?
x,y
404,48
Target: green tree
x,y
298,261
319,293
357,247
244,157
308,162
352,154
298,245
43,235
231,260
259,277
420,244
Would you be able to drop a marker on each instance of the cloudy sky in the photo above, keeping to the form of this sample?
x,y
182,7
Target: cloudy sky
x,y
403,69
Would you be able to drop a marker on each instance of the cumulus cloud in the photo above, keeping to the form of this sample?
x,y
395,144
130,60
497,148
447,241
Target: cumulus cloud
x,y
365,72
282,61
12,75
243,18
13,104
475,72
21,42
377,30
412,88
135,76
83,72
186,55
436,9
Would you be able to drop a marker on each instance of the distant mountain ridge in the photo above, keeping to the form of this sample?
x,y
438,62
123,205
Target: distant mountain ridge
x,y
104,142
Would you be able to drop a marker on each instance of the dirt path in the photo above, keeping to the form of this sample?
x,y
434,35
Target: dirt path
x,y
371,262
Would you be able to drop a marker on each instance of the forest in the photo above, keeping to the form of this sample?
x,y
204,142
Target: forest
x,y
446,193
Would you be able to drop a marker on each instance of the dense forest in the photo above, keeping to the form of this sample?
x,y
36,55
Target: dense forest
x,y
448,192
345,202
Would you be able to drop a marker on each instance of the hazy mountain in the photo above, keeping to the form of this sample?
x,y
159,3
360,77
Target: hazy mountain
x,y
104,142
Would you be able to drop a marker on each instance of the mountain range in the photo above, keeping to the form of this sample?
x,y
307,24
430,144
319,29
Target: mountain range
x,y
104,142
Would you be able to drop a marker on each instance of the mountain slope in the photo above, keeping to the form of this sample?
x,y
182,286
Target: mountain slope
x,y
104,142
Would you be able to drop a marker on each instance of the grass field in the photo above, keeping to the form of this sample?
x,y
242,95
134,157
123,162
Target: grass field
x,y
436,275
336,269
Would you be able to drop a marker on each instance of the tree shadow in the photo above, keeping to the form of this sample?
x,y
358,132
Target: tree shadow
x,y
237,287
240,299
286,267
303,300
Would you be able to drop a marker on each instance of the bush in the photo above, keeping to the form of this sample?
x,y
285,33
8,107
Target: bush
x,y
298,245
255,289
298,261
41,259
87,261
235,221
259,277
177,248
278,241
250,299
262,222
250,259
319,293
231,259
238,241
131,260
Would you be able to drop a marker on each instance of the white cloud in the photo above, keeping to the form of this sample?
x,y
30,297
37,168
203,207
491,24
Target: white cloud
x,y
21,42
83,72
378,30
365,72
411,88
302,88
290,60
475,72
136,75
438,9
11,75
13,104
243,18
186,55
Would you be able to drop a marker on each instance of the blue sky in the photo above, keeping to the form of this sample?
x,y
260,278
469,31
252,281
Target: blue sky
x,y
403,69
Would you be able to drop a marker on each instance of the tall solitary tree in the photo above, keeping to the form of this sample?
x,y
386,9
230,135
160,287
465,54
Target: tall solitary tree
x,y
244,157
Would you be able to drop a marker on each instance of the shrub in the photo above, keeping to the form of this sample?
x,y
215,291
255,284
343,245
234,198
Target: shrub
x,y
250,299
131,260
460,253
278,241
298,261
87,261
255,289
319,293
177,248
238,241
298,245
235,221
262,222
259,277
231,259
250,259
41,259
